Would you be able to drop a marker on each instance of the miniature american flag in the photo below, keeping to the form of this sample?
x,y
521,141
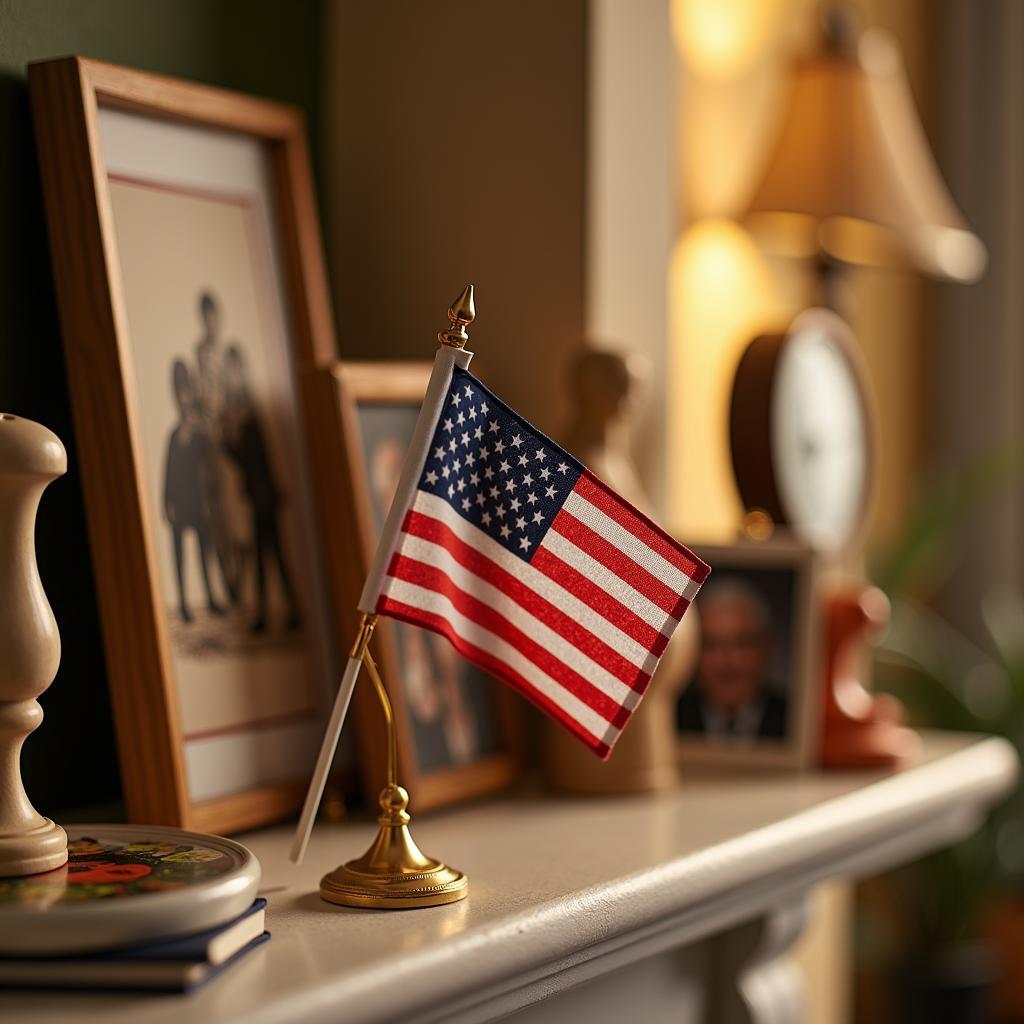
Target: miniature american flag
x,y
534,569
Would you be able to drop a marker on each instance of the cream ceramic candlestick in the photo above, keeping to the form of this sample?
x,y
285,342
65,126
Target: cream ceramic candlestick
x,y
30,457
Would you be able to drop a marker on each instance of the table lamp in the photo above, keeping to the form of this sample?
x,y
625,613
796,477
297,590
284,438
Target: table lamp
x,y
850,179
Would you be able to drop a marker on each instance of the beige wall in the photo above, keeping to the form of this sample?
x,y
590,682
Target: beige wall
x,y
454,144
975,356
633,213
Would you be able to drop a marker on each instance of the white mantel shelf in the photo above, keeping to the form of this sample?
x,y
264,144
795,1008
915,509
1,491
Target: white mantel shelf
x,y
564,891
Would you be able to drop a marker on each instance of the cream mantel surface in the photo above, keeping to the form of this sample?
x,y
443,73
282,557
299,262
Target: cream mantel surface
x,y
677,907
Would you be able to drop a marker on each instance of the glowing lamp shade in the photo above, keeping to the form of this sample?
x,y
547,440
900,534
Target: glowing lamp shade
x,y
851,173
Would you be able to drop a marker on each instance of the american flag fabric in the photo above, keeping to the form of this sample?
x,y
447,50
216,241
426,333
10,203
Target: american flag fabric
x,y
535,570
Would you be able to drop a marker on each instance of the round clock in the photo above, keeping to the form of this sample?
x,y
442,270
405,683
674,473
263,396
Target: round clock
x,y
802,433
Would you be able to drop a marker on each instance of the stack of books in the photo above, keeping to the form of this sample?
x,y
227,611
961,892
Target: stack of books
x,y
167,965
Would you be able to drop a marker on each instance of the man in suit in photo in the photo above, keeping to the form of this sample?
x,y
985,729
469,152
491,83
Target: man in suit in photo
x,y
732,697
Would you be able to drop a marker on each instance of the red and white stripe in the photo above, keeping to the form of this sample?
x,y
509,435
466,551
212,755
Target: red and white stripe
x,y
578,629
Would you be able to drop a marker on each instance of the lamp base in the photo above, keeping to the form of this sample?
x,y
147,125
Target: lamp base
x,y
394,874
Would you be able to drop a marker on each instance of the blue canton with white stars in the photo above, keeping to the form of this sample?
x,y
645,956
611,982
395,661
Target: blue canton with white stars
x,y
494,469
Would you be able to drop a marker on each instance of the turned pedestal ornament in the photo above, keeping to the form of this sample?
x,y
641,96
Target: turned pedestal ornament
x,y
30,457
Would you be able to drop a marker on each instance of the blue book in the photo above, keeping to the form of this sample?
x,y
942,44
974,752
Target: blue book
x,y
167,965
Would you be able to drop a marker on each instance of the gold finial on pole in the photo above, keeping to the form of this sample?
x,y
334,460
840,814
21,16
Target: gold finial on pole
x,y
461,313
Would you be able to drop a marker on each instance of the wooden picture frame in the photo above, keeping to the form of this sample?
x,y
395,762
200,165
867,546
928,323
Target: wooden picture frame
x,y
91,119
342,397
755,697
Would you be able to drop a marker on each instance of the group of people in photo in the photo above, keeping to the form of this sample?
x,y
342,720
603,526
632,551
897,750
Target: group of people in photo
x,y
220,485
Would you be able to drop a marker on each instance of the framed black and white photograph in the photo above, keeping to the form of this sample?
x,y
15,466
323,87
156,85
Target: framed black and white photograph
x,y
754,695
192,297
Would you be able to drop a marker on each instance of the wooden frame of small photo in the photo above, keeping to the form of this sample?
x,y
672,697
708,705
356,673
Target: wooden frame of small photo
x,y
754,697
459,731
192,297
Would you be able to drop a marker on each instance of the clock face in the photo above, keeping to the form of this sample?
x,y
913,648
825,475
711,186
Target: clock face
x,y
819,438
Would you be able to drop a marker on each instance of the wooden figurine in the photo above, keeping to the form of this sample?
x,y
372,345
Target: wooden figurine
x,y
30,457
603,388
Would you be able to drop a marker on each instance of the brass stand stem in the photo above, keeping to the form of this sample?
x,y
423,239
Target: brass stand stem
x,y
393,873
361,650
389,717
367,624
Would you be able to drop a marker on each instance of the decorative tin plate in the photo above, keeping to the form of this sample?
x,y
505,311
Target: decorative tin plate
x,y
125,884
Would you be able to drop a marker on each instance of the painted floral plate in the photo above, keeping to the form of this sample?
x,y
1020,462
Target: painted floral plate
x,y
125,884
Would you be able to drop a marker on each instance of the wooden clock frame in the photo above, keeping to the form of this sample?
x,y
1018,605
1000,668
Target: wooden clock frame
x,y
750,419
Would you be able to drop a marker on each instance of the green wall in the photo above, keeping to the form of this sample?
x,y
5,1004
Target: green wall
x,y
267,47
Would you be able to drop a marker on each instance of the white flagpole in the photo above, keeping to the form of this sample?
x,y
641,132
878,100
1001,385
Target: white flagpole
x,y
449,355
430,412
324,759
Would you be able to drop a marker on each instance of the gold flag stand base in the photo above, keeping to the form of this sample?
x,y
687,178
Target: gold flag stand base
x,y
393,874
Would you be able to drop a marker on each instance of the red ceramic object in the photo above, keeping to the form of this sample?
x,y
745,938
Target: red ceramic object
x,y
859,729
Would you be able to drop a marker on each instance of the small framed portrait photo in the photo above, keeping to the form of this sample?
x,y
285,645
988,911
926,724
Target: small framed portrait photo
x,y
754,694
458,729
